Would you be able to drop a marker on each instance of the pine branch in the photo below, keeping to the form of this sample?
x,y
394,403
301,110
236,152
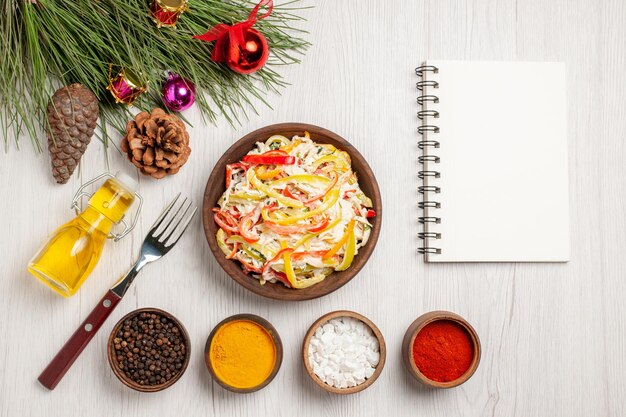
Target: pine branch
x,y
59,42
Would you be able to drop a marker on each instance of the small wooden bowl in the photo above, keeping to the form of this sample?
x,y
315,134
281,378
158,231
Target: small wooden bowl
x,y
278,345
215,188
417,326
322,320
113,360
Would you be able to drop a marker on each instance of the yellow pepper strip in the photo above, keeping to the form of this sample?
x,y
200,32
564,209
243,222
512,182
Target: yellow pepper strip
x,y
340,163
252,179
350,252
277,138
329,201
279,214
246,196
221,242
300,178
252,248
291,275
287,259
239,239
345,156
367,202
307,135
308,236
289,148
263,174
342,241
253,254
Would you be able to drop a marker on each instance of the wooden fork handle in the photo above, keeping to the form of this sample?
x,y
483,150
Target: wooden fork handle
x,y
70,351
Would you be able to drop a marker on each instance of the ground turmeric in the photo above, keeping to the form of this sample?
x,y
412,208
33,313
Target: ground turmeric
x,y
242,354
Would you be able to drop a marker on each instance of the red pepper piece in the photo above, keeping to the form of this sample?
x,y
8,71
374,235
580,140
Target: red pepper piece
x,y
370,213
247,266
248,222
320,226
287,193
316,253
231,168
333,182
288,230
270,158
234,252
280,276
268,273
225,220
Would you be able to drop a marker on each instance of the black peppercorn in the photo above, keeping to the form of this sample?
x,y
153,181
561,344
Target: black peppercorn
x,y
135,342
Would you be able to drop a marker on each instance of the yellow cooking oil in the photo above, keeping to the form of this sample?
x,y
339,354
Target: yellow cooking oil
x,y
74,249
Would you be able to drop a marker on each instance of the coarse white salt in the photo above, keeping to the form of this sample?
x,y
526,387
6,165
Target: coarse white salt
x,y
344,352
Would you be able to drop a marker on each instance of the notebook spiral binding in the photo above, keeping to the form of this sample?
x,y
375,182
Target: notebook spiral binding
x,y
425,130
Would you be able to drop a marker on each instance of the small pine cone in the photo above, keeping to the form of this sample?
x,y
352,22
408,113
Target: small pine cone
x,y
157,143
72,115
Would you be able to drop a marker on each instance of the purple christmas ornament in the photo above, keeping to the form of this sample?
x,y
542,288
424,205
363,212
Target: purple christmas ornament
x,y
178,93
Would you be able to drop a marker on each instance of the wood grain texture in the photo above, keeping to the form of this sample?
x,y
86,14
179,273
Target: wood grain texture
x,y
553,335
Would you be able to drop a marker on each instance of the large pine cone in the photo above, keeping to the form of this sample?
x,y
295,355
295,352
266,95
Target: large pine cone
x,y
72,114
157,143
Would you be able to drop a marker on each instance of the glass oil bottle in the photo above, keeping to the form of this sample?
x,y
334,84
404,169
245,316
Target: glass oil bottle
x,y
74,249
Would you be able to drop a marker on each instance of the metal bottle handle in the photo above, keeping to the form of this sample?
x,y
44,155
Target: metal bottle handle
x,y
80,193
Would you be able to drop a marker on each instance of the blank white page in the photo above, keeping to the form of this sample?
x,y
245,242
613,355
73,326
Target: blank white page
x,y
503,162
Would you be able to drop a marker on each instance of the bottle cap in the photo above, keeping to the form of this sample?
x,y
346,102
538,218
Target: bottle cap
x,y
127,181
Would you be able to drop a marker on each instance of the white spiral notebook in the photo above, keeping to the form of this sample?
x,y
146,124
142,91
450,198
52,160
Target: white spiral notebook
x,y
494,161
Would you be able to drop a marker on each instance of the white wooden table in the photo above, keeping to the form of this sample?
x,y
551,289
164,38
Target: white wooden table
x,y
554,335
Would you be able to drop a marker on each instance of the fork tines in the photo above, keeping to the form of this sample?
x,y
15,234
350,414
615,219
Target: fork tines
x,y
172,223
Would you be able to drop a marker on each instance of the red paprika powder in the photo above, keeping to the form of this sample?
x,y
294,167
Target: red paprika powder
x,y
443,350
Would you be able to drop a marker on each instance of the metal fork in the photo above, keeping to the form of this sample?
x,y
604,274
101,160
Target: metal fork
x,y
163,235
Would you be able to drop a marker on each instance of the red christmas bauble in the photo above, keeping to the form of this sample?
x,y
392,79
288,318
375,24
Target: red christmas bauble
x,y
249,57
243,49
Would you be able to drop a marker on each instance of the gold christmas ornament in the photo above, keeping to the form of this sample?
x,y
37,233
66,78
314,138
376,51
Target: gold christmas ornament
x,y
167,12
126,86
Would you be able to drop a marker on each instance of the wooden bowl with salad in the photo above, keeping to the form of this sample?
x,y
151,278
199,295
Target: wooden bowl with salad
x,y
292,211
